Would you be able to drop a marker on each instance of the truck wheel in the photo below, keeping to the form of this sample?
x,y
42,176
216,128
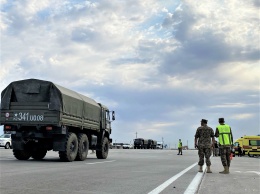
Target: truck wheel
x,y
102,154
83,147
22,154
7,145
71,148
39,154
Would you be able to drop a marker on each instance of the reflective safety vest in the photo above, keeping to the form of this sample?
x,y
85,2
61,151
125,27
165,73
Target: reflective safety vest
x,y
180,144
224,134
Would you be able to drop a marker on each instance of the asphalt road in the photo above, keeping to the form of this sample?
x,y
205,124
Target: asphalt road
x,y
123,172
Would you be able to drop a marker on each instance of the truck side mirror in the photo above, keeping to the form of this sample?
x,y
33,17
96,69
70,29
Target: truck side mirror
x,y
113,115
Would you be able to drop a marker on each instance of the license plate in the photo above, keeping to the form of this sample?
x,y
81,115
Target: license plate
x,y
26,116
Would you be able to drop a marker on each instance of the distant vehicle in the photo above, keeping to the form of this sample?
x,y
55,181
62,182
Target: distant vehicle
x,y
117,145
140,143
127,146
250,145
159,145
152,144
44,116
6,141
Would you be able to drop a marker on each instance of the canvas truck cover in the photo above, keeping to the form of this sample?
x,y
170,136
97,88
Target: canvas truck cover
x,y
59,98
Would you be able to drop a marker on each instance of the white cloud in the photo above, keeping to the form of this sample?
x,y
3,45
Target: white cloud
x,y
240,75
242,116
231,105
234,20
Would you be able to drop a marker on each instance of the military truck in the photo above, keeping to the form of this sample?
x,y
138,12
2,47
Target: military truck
x,y
151,144
140,143
43,116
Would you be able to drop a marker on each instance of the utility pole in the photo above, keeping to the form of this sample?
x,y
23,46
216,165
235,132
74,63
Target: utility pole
x,y
187,144
136,134
162,143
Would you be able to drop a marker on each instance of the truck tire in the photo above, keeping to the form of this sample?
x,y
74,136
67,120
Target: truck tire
x,y
22,154
83,147
102,154
71,148
39,154
7,145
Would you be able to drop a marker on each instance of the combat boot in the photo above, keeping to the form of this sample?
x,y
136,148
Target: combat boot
x,y
208,169
225,171
200,169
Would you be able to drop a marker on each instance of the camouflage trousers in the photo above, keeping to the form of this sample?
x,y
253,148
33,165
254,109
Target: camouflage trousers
x,y
215,151
204,152
180,151
225,155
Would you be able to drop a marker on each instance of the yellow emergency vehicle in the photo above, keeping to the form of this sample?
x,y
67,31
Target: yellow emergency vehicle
x,y
250,145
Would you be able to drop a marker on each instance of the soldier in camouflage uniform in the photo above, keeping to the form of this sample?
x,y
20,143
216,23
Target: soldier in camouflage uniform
x,y
204,140
224,134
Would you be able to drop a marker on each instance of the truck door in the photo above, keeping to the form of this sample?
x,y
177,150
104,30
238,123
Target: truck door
x,y
108,122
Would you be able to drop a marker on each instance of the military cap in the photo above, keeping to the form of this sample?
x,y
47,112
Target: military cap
x,y
204,121
221,120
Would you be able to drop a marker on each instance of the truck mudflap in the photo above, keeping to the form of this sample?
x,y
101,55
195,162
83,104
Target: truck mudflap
x,y
17,143
59,143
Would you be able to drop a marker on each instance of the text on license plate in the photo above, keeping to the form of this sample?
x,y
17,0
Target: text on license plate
x,y
26,116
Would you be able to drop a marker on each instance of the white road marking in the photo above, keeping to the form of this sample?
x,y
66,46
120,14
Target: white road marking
x,y
101,162
161,187
258,173
194,185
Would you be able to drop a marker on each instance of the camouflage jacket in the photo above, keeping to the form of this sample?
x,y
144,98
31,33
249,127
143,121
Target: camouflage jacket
x,y
204,134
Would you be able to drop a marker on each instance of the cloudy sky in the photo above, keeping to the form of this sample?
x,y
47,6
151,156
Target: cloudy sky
x,y
161,65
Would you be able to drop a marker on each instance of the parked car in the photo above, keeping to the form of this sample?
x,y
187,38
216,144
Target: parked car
x,y
117,145
127,146
5,141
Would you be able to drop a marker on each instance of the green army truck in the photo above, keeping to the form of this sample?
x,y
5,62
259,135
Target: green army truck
x,y
151,144
43,116
140,143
